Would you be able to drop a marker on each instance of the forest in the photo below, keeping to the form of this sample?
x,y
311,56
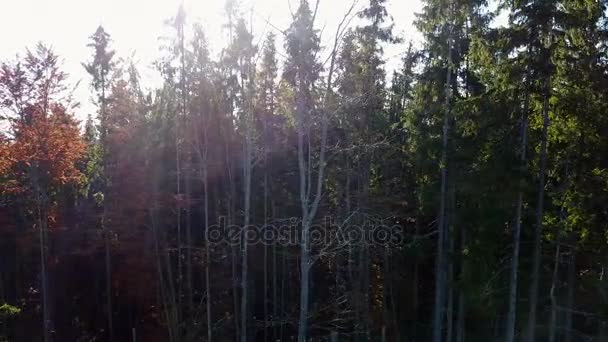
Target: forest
x,y
286,189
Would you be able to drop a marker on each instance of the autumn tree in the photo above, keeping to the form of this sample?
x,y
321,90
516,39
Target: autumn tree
x,y
43,149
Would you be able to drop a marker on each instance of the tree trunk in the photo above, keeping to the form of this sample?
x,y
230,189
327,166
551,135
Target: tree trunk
x,y
416,267
275,282
207,243
440,276
107,237
364,259
304,281
178,170
555,276
461,323
46,319
229,221
539,218
450,262
246,212
165,297
265,243
104,230
309,207
552,294
570,297
188,282
513,280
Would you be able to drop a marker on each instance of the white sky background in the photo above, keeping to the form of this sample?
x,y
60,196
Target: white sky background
x,y
135,26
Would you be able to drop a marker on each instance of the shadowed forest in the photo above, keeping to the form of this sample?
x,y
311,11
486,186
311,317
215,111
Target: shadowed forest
x,y
471,182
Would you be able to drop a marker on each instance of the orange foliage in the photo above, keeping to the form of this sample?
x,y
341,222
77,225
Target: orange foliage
x,y
49,143
5,162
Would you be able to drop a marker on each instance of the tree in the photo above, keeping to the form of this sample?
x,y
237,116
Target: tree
x,y
265,122
484,130
302,72
99,69
44,148
241,55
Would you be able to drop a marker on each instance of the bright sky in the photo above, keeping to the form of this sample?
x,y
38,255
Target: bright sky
x,y
135,26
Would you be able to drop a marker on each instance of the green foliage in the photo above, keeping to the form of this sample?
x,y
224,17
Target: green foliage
x,y
152,158
7,310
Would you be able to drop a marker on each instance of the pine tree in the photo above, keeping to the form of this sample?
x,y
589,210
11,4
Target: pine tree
x,y
99,69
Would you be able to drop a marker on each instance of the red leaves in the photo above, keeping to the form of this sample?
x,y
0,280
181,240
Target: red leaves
x,y
45,141
45,145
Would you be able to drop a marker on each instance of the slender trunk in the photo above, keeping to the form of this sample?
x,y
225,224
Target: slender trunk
x,y
46,321
416,267
386,288
172,301
188,283
450,296
570,298
232,201
161,282
203,164
395,318
440,281
104,230
461,323
178,224
284,275
265,243
304,281
108,261
244,242
355,299
555,276
450,262
207,244
265,297
539,219
552,294
229,221
275,282
309,208
165,297
244,266
364,261
304,239
513,281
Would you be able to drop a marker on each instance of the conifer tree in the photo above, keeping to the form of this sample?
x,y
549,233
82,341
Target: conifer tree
x,y
99,69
